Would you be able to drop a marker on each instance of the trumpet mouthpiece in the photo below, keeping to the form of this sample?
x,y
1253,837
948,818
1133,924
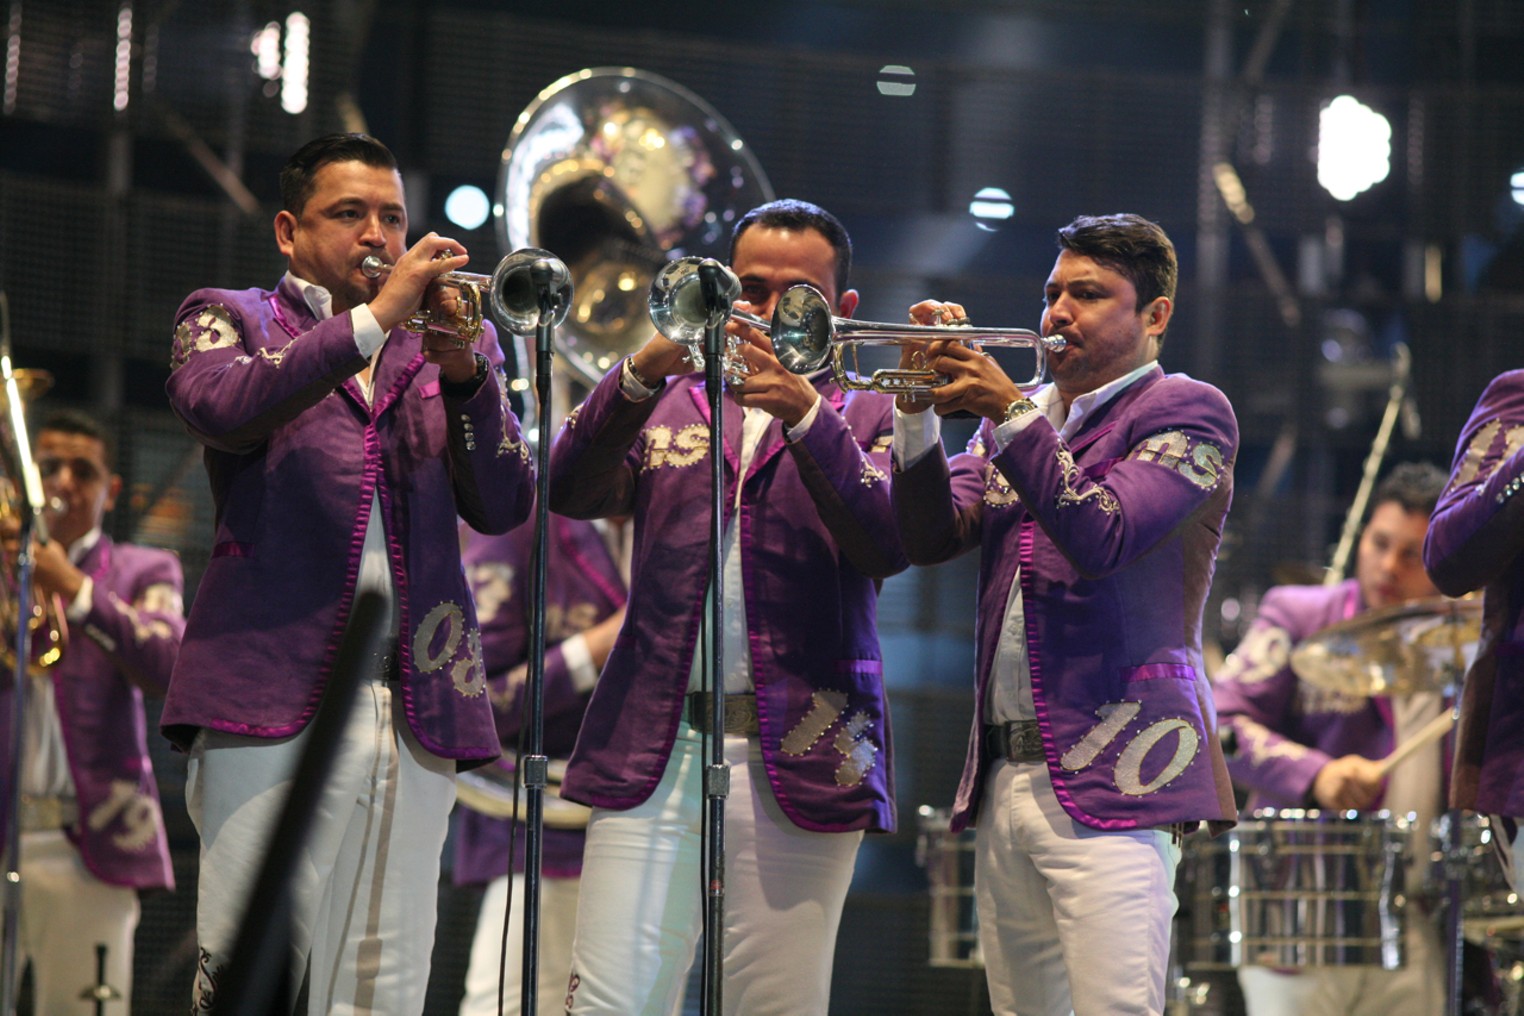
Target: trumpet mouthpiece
x,y
372,267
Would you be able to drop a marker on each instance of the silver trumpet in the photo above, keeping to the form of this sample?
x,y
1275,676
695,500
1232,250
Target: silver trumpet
x,y
680,312
512,293
806,334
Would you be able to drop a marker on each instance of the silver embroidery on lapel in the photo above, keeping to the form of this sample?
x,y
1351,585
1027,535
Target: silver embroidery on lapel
x,y
871,473
1104,499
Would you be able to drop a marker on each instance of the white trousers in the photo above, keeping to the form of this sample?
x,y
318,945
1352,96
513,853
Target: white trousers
x,y
640,913
558,923
1071,919
65,912
364,891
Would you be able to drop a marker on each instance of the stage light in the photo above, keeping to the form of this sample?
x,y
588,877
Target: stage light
x,y
896,80
293,75
1354,147
467,206
265,45
1516,186
990,207
122,90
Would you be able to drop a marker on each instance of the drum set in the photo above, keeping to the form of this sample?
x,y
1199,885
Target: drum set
x,y
1293,889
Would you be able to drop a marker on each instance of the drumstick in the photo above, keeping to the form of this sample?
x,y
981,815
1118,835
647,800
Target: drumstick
x,y
1432,731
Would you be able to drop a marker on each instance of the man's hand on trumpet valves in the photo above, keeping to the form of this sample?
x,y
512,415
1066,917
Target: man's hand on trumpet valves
x,y
767,384
923,355
402,289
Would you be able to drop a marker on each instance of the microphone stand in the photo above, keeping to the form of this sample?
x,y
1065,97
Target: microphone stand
x,y
717,773
551,282
29,483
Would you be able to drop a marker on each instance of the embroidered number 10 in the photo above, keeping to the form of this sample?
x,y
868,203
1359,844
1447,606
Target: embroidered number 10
x,y
1115,716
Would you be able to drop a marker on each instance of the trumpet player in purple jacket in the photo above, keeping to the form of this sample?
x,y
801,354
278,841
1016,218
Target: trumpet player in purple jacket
x,y
341,450
1476,541
92,835
808,535
1097,504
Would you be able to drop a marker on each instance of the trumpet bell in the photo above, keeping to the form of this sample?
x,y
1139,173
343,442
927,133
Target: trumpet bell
x,y
802,329
515,290
678,308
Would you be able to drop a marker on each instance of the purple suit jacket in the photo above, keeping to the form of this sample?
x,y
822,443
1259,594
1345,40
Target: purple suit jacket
x,y
1476,541
123,648
1284,728
582,587
816,535
1116,536
294,454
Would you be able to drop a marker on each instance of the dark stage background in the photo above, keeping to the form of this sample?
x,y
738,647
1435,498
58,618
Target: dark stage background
x,y
108,217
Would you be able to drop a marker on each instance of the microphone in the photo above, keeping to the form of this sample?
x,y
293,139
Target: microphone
x,y
711,274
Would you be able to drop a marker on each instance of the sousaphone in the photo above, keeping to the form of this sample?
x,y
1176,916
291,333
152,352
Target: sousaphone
x,y
618,170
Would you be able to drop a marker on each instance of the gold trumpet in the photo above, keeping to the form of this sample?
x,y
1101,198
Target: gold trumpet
x,y
806,334
511,291
43,614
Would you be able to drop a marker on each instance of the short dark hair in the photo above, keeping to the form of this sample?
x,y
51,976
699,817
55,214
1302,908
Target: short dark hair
x,y
1130,245
791,213
298,176
1414,486
72,421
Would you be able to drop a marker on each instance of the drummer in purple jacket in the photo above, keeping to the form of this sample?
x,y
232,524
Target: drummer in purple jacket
x,y
92,835
809,534
341,448
1476,541
1296,745
1097,504
586,586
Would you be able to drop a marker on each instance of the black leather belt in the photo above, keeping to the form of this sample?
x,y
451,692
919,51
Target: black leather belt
x,y
740,712
1016,741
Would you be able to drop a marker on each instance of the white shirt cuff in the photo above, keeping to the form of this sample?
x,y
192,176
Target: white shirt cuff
x,y
915,434
1006,432
368,333
633,389
798,430
579,663
79,608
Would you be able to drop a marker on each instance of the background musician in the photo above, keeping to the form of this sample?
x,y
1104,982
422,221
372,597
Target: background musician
x,y
586,587
1097,503
92,835
1302,746
341,448
808,534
